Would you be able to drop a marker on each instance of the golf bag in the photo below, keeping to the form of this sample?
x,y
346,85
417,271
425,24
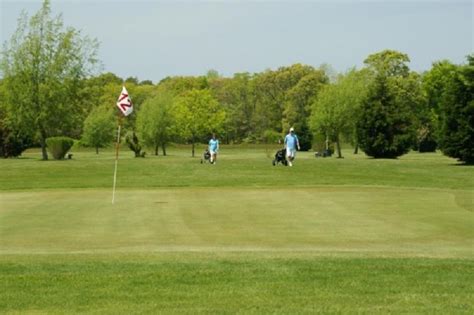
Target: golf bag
x,y
280,157
206,156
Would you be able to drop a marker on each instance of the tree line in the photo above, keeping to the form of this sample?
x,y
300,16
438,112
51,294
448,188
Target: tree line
x,y
49,88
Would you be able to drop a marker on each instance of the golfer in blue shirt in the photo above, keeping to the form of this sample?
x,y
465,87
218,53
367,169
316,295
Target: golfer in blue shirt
x,y
291,143
213,148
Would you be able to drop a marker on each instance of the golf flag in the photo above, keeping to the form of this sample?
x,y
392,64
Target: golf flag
x,y
124,103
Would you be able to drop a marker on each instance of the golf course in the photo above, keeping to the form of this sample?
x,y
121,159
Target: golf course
x,y
351,235
236,157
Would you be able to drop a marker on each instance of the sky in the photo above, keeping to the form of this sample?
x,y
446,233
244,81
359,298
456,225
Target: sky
x,y
152,39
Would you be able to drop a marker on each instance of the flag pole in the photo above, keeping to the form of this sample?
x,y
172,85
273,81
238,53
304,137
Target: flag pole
x,y
117,145
125,105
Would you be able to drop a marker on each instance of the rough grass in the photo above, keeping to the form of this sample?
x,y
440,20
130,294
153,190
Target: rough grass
x,y
352,235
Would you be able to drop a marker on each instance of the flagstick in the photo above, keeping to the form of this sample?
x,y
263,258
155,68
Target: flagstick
x,y
117,145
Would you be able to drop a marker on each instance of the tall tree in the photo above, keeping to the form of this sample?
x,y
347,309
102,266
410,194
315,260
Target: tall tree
x,y
237,97
297,107
435,82
384,129
155,123
43,66
271,88
197,115
409,96
99,128
335,109
387,122
457,114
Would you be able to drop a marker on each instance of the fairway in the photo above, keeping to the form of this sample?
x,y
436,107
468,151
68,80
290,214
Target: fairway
x,y
327,235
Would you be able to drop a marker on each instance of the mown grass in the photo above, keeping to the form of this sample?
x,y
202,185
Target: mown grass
x,y
256,283
396,222
352,235
237,167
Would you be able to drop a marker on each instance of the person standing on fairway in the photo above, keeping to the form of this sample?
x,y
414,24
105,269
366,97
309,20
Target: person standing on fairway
x,y
213,148
291,143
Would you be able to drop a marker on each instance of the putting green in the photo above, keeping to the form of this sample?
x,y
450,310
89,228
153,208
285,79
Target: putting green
x,y
331,220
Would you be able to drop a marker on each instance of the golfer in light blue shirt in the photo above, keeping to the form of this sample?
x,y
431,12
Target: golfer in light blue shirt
x,y
213,148
291,143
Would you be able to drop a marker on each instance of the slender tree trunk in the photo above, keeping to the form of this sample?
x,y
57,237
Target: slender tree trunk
x,y
43,149
96,150
338,145
356,149
156,148
327,142
43,144
192,150
163,147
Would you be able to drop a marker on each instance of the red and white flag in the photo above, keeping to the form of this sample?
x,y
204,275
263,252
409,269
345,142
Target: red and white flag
x,y
124,102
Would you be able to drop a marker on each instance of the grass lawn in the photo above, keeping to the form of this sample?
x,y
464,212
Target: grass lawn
x,y
352,235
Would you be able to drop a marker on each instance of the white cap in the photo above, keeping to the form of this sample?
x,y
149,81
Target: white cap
x,y
291,129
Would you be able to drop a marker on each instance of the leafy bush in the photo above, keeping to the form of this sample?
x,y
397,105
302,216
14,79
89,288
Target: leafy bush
x,y
271,136
12,144
59,146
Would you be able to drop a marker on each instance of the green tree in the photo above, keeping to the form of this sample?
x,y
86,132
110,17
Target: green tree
x,y
384,129
435,82
297,107
237,97
155,122
386,125
335,109
12,142
197,114
132,80
409,96
139,94
99,128
146,82
388,63
180,85
43,66
212,74
457,114
271,88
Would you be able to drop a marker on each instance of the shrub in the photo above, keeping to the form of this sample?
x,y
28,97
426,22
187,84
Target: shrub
x,y
271,136
58,146
12,144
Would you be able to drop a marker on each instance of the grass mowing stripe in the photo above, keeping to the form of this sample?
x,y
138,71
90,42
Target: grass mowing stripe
x,y
369,220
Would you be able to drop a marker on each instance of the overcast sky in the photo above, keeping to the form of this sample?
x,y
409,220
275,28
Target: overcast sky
x,y
154,39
